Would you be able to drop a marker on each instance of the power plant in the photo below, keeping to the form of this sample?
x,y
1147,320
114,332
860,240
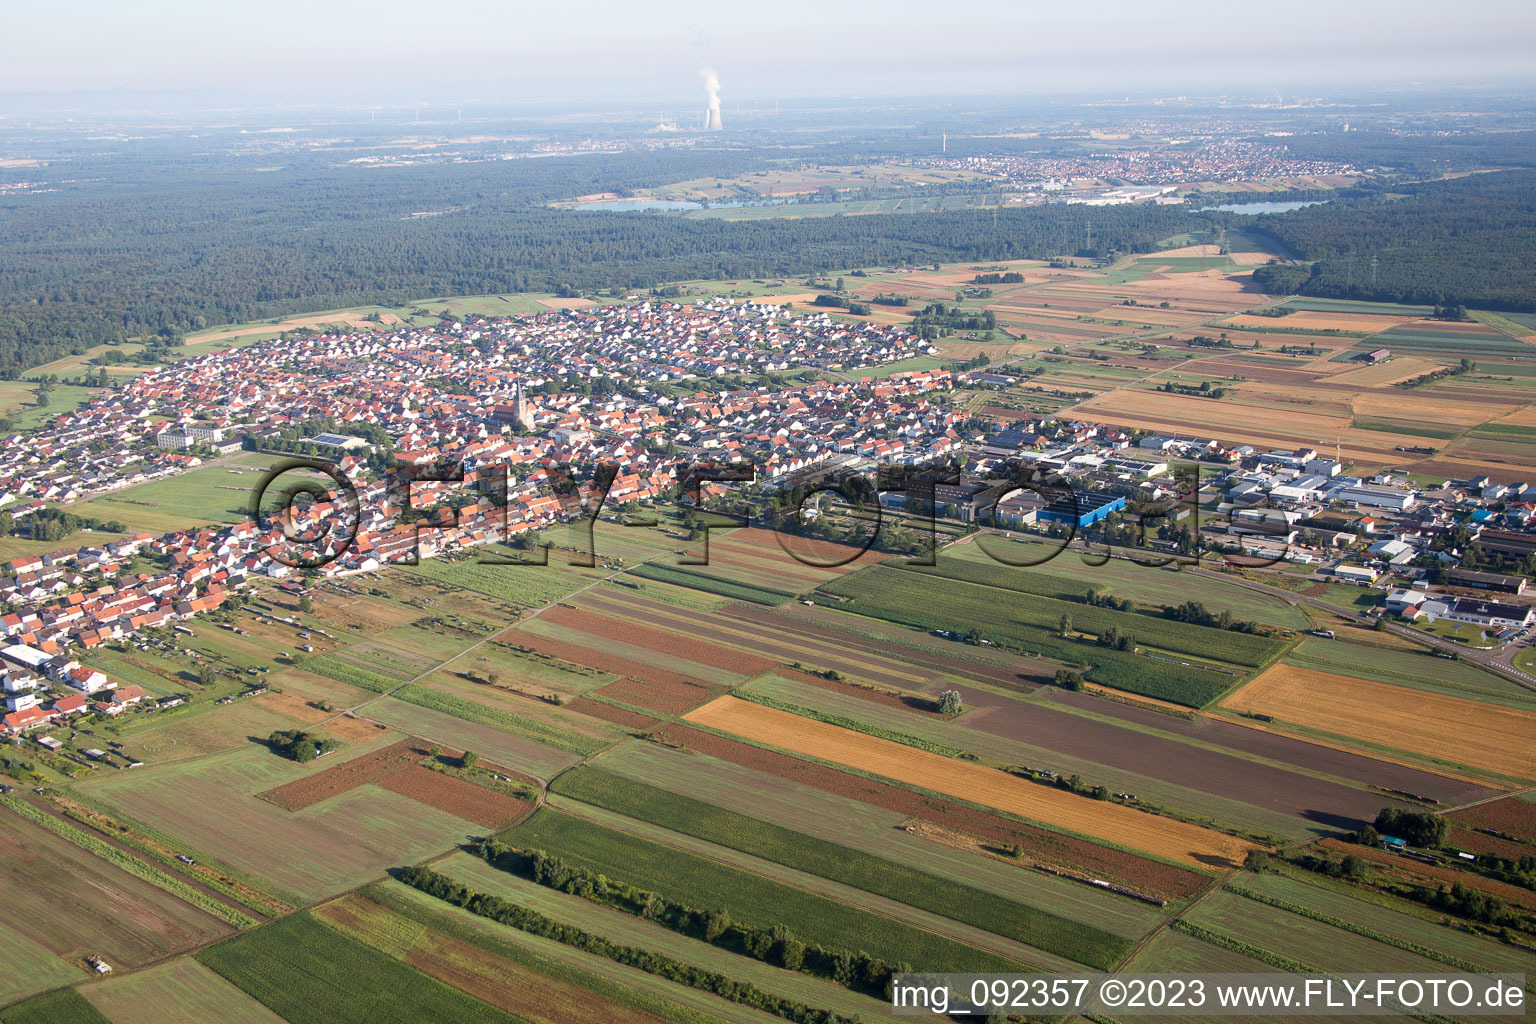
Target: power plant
x,y
711,112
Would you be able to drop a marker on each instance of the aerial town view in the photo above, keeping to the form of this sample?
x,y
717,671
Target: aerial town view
x,y
976,514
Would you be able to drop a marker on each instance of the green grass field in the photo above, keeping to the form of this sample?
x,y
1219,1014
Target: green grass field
x,y
710,584
705,884
1400,921
841,863
210,494
308,973
65,1006
1055,598
1142,584
844,821
197,993
926,601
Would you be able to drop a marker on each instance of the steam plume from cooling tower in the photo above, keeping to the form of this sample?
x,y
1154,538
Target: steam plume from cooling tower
x,y
712,88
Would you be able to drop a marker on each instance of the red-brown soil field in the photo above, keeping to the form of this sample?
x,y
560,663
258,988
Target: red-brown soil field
x,y
1286,750
306,792
663,641
1207,771
1511,815
670,698
609,713
576,654
465,799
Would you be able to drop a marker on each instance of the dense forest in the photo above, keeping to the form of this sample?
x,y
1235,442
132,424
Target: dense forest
x,y
157,242
1460,241
171,250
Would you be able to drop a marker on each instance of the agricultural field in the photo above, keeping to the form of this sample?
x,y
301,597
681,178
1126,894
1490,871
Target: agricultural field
x,y
1032,626
614,925
1175,840
700,882
306,971
64,899
842,863
214,804
803,807
217,493
1439,729
64,1006
195,990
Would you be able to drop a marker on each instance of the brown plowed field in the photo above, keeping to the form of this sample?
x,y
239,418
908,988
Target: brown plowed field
x,y
1469,732
1196,768
1005,670
670,698
1053,847
1481,843
909,702
1512,815
663,641
1189,844
576,654
1273,746
306,792
609,713
463,799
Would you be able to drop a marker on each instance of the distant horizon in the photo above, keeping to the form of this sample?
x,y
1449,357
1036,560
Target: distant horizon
x,y
472,50
1362,96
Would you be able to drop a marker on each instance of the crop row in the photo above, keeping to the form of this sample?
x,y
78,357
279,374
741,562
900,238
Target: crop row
x,y
1047,606
309,973
931,603
129,863
1030,925
711,585
508,913
497,718
1349,926
752,899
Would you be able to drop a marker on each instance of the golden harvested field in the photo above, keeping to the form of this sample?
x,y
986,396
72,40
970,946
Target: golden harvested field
x,y
1308,320
1147,314
353,320
1188,250
1250,259
1383,374
1473,733
1176,840
1237,421
1422,407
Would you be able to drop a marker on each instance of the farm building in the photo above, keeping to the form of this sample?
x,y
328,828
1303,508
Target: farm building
x,y
1486,581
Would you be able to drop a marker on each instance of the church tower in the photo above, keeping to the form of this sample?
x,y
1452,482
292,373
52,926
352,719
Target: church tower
x,y
522,411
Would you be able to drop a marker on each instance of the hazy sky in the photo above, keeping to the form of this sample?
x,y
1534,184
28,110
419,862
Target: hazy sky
x,y
499,51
